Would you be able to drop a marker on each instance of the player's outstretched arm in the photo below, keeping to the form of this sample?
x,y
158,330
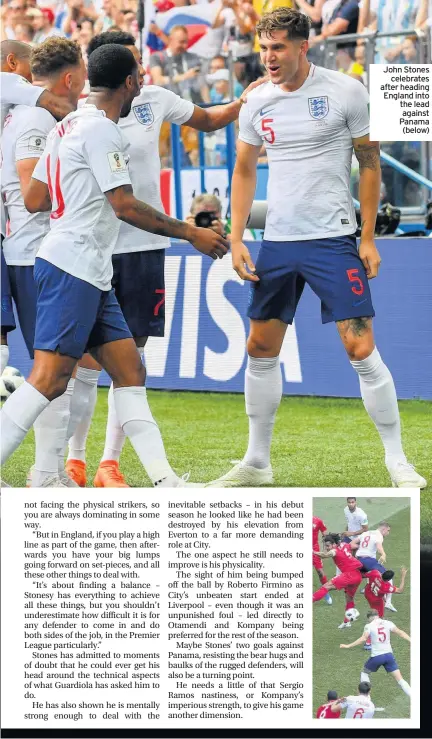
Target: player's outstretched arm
x,y
401,633
368,155
219,116
127,208
400,589
355,643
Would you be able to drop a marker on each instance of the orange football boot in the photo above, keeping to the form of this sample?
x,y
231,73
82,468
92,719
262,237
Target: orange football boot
x,y
109,475
76,469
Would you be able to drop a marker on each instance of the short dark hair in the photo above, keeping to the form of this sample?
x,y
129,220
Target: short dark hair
x,y
332,695
372,613
387,575
110,65
53,55
296,24
18,48
332,539
110,37
364,687
351,497
385,524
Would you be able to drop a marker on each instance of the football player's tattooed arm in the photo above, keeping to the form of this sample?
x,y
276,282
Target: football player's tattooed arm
x,y
355,643
133,211
37,197
368,155
57,106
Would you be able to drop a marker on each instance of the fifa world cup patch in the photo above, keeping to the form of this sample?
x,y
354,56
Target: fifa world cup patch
x,y
117,161
318,107
37,143
144,114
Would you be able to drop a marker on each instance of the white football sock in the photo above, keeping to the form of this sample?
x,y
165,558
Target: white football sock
x,y
364,677
18,416
380,400
50,435
114,435
405,687
85,382
389,595
78,441
4,357
138,424
263,393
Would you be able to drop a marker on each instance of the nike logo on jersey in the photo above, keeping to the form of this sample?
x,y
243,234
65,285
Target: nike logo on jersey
x,y
359,302
264,112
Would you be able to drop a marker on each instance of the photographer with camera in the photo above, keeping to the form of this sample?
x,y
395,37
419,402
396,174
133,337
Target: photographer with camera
x,y
206,212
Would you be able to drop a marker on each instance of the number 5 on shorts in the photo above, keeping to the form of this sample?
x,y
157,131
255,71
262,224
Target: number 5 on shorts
x,y
353,276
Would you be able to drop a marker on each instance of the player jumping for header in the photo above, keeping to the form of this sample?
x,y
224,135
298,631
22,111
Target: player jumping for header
x,y
309,119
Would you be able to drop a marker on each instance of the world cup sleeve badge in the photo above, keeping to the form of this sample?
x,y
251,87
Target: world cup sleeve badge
x,y
318,107
144,114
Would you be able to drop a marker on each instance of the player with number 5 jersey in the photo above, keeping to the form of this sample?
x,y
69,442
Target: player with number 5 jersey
x,y
310,120
379,631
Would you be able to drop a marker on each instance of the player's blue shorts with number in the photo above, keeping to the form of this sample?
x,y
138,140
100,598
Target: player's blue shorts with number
x,y
23,289
382,660
139,286
7,314
370,563
73,316
331,267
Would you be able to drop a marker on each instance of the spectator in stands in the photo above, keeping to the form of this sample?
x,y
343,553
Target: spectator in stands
x,y
388,16
42,22
24,33
216,64
312,8
12,15
238,18
338,18
74,15
83,35
207,203
424,16
106,17
178,69
347,63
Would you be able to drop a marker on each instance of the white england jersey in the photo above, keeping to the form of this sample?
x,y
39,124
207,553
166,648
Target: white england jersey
x,y
141,129
308,139
24,137
355,519
379,631
15,90
83,159
358,706
368,543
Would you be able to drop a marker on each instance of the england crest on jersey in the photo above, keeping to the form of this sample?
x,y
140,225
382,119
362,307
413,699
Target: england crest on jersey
x,y
144,114
318,107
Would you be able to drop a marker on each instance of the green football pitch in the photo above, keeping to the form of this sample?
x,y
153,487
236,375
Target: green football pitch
x,y
318,442
336,669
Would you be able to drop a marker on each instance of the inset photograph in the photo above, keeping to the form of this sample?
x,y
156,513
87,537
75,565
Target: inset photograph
x,y
361,602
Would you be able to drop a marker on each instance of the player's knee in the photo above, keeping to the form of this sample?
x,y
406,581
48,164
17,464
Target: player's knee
x,y
260,346
50,383
132,374
358,349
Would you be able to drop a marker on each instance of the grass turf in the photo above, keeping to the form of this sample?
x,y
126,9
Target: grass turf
x,y
336,669
318,442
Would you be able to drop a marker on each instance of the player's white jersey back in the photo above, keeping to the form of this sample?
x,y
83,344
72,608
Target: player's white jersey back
x,y
355,519
358,706
141,129
308,136
369,541
83,159
379,631
24,137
